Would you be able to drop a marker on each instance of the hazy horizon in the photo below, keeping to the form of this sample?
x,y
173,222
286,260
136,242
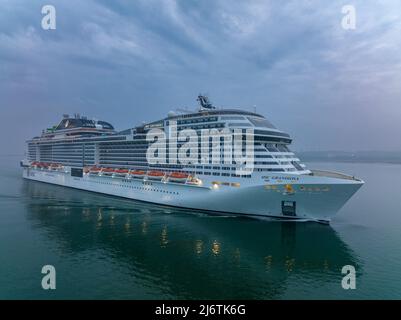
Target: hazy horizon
x,y
129,62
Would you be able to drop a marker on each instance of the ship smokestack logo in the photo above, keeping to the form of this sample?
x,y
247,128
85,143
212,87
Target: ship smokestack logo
x,y
205,102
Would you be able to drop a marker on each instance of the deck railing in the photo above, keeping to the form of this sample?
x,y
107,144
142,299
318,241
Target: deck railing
x,y
332,174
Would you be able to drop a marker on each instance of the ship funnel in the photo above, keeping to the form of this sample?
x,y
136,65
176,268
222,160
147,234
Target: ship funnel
x,y
204,102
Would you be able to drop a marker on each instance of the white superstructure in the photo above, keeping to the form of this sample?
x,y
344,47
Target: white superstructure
x,y
91,155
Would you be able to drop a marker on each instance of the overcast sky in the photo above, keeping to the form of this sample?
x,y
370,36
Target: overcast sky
x,y
132,61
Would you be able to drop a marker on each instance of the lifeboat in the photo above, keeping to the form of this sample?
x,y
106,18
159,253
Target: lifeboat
x,y
94,171
41,165
178,176
155,175
137,174
121,172
108,171
34,164
45,165
54,166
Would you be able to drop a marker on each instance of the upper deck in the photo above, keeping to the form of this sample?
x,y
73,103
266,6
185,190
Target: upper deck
x,y
79,141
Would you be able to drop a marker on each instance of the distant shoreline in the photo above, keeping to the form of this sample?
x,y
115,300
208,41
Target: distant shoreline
x,y
389,157
350,161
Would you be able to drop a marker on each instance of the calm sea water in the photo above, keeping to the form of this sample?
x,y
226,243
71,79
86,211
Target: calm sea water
x,y
107,248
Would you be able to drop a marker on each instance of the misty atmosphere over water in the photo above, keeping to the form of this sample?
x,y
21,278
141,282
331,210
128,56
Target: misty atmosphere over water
x,y
129,62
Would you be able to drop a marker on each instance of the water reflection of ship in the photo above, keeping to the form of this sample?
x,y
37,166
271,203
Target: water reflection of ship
x,y
190,256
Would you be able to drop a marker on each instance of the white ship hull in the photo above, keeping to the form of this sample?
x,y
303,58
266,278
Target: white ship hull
x,y
316,198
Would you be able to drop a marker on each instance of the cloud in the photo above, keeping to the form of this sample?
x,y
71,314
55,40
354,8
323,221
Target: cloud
x,y
132,61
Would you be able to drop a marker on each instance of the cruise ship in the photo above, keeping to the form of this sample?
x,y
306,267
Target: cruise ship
x,y
223,161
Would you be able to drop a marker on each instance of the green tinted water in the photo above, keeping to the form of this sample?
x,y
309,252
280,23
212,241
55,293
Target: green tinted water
x,y
107,248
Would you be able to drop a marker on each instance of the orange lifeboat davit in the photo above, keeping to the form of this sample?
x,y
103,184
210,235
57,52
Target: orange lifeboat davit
x,y
121,172
94,170
156,175
45,165
55,166
34,164
108,171
137,174
178,176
